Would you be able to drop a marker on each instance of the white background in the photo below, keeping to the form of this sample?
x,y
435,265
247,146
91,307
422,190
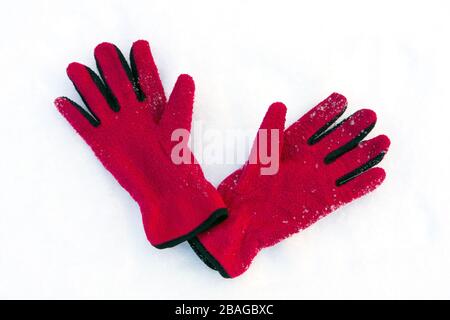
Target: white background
x,y
68,230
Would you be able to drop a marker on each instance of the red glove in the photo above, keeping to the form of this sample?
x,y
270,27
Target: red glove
x,y
319,171
129,127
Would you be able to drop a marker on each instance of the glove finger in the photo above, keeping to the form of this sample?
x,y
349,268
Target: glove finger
x,y
146,73
311,125
116,74
365,156
80,119
267,146
92,90
178,112
361,184
346,135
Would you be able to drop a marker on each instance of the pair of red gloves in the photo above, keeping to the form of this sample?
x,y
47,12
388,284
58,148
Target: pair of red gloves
x,y
129,123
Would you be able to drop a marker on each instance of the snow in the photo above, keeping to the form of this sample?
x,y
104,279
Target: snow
x,y
68,230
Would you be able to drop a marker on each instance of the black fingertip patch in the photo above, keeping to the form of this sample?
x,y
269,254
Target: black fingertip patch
x,y
103,88
137,90
332,156
139,93
92,115
371,163
322,132
89,116
111,97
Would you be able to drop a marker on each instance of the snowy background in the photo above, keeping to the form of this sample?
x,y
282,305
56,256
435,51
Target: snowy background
x,y
68,230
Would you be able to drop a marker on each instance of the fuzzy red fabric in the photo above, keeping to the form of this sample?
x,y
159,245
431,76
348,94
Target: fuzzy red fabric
x,y
129,129
265,209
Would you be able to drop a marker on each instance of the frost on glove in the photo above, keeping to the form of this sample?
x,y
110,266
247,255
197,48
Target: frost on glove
x,y
320,169
128,124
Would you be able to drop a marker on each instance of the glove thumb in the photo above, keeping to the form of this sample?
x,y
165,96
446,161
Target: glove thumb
x,y
266,150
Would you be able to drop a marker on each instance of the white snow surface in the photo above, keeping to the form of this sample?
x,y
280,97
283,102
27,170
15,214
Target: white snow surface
x,y
68,230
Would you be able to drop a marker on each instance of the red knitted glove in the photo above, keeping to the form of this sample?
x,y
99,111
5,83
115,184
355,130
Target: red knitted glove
x,y
129,127
319,171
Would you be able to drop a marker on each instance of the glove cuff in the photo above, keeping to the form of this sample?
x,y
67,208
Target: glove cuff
x,y
215,218
207,257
